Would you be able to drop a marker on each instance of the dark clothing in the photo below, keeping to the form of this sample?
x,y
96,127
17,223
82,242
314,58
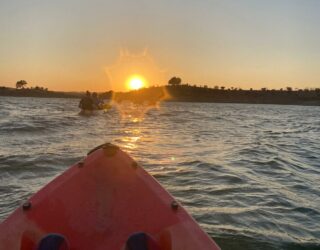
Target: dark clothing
x,y
96,102
86,103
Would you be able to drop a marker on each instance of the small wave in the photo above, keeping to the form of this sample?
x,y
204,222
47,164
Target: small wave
x,y
243,242
21,127
307,211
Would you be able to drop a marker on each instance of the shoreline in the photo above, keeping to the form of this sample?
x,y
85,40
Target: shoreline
x,y
11,92
185,93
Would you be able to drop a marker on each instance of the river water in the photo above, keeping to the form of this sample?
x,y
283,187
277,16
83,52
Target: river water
x,y
249,174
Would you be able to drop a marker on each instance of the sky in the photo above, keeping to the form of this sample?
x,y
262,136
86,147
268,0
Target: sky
x,y
75,45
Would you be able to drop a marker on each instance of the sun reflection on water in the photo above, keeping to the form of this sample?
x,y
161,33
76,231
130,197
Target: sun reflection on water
x,y
132,117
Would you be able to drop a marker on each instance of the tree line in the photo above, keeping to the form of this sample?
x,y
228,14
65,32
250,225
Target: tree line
x,y
23,83
176,81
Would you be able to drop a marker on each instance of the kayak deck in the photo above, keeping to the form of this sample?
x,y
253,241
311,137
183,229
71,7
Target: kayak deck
x,y
98,204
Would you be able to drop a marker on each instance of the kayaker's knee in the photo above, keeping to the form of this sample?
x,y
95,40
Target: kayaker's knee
x,y
141,241
53,242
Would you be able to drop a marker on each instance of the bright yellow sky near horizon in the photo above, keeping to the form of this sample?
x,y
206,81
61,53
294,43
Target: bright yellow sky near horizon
x,y
97,45
130,70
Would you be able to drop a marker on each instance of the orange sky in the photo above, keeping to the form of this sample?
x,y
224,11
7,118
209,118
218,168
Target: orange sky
x,y
96,45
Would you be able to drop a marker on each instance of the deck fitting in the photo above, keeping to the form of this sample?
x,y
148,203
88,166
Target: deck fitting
x,y
174,205
105,146
110,149
26,206
80,164
134,164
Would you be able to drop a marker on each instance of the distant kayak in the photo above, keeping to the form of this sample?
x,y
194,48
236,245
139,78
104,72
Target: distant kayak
x,y
89,112
106,201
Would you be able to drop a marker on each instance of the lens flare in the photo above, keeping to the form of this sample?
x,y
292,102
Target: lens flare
x,y
136,82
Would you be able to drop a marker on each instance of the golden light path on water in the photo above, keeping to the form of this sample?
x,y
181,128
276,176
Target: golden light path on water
x,y
132,116
133,119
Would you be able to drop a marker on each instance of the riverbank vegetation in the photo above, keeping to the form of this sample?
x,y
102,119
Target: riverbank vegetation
x,y
22,90
177,91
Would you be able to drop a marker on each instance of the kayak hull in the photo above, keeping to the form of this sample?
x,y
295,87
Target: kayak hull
x,y
98,204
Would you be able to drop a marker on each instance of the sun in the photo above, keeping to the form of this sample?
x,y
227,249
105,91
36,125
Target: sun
x,y
136,82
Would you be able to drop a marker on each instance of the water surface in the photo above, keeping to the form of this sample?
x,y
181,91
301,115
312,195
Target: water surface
x,y
249,174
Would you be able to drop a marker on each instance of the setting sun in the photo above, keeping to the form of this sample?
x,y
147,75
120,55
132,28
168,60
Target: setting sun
x,y
136,82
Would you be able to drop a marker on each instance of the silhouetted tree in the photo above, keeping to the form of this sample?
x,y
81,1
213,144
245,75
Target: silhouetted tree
x,y
289,89
20,84
174,81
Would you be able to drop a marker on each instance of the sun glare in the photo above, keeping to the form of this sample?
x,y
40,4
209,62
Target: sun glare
x,y
136,82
